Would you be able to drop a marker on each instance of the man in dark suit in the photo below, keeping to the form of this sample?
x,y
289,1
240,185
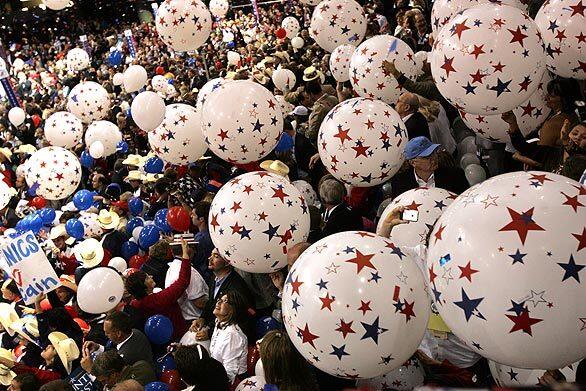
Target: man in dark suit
x,y
338,215
408,108
424,170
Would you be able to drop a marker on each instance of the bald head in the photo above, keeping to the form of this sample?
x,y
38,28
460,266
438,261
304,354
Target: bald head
x,y
128,385
295,251
407,103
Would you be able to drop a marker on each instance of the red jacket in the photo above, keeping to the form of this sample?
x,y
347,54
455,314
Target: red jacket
x,y
43,375
165,301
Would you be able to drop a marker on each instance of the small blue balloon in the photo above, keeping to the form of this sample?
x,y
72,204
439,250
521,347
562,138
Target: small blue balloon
x,y
122,146
35,222
166,363
149,235
74,228
171,81
115,58
135,206
47,215
83,199
22,225
86,160
156,386
158,329
154,165
129,249
160,220
133,223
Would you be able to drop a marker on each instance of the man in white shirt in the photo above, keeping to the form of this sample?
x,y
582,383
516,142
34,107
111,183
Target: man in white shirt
x,y
195,297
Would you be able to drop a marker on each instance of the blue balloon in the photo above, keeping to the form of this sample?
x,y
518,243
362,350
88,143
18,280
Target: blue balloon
x,y
122,146
135,206
171,81
149,235
47,215
129,249
35,222
83,199
160,220
86,160
22,224
166,363
133,223
154,165
74,228
156,386
266,324
115,58
158,329
231,45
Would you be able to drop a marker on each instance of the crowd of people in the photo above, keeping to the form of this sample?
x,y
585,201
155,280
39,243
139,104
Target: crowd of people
x,y
188,318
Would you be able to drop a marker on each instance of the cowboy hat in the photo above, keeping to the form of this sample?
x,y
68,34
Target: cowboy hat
x,y
89,252
6,375
311,73
260,78
276,167
132,160
6,153
66,348
8,316
68,282
59,231
28,328
150,178
133,175
108,219
26,148
283,56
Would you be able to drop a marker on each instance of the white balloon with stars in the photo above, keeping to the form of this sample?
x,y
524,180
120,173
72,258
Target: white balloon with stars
x,y
338,22
63,129
89,101
53,173
183,25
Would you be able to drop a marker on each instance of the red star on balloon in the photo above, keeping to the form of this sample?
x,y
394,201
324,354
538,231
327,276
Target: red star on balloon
x,y
581,239
306,335
518,36
572,201
345,328
362,261
523,322
326,302
447,66
522,223
578,8
467,271
438,234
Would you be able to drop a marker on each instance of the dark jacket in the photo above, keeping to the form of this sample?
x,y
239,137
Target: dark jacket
x,y
157,268
304,150
141,371
417,126
233,282
448,178
342,218
113,243
137,348
550,157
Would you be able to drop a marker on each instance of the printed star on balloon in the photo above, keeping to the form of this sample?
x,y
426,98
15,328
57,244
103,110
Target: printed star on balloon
x,y
183,25
89,101
338,22
53,173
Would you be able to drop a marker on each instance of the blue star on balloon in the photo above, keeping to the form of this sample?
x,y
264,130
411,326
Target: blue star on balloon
x,y
372,330
517,257
339,352
571,269
469,306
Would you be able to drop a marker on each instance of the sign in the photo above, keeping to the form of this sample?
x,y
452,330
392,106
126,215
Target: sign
x,y
130,43
28,266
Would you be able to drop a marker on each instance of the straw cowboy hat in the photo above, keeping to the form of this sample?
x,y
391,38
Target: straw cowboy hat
x,y
68,282
66,348
28,328
89,252
6,153
108,219
150,178
6,375
276,167
133,175
26,148
59,231
311,73
8,316
132,160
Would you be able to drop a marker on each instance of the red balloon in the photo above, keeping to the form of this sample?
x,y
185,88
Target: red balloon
x,y
160,70
281,33
45,305
172,379
36,120
71,311
82,325
178,219
136,261
128,272
38,202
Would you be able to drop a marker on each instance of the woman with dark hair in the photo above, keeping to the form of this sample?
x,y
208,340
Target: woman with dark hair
x,y
58,319
283,366
561,95
199,370
229,344
140,286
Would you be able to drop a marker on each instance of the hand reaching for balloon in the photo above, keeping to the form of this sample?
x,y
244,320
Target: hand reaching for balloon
x,y
510,118
390,68
392,220
313,160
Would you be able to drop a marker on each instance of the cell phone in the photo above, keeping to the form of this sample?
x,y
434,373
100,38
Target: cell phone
x,y
410,215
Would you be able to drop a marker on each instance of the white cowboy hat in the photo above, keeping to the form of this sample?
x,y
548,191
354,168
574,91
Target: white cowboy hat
x,y
8,316
68,282
89,252
26,148
276,167
6,375
311,73
59,231
6,152
28,328
133,175
150,178
108,219
132,160
66,348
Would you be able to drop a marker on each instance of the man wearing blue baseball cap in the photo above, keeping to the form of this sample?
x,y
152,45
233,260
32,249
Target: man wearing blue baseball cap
x,y
425,171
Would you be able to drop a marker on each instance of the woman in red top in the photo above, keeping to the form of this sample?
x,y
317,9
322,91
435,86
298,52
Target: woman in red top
x,y
140,285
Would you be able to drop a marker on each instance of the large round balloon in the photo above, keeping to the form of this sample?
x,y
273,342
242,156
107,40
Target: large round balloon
x,y
134,78
89,101
183,25
77,59
429,203
361,142
284,79
219,8
408,376
506,376
211,86
255,218
443,10
563,28
530,115
100,290
355,305
56,5
307,192
338,22
148,110
53,173
367,73
179,139
291,26
160,83
488,60
16,116
506,265
242,121
63,129
105,132
340,62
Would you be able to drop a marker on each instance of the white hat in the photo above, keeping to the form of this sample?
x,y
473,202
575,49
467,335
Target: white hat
x,y
89,252
134,175
28,328
300,110
66,348
276,167
6,375
8,316
58,231
108,219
